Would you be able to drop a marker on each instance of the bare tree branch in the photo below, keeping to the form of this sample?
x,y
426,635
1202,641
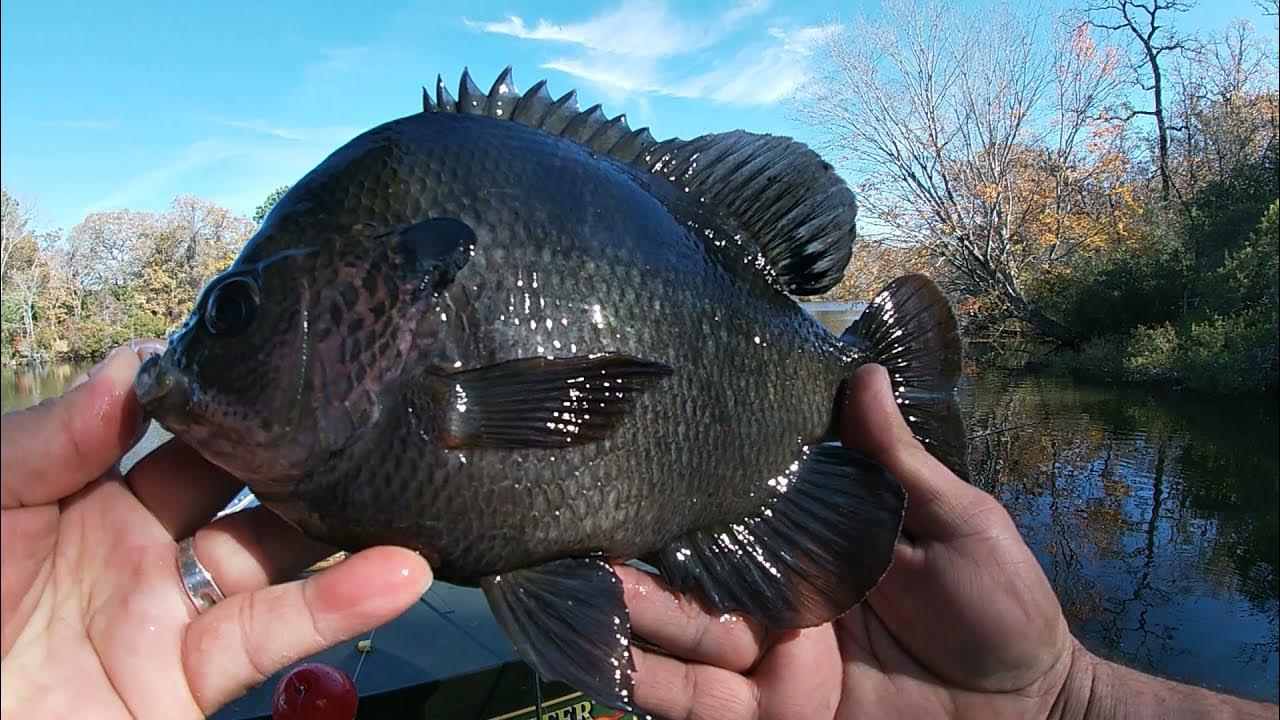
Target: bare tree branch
x,y
1141,18
953,121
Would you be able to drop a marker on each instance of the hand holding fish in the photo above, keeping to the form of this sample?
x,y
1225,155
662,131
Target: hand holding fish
x,y
506,303
965,624
95,622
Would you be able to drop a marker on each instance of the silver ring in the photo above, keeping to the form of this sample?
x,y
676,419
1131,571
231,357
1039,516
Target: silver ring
x,y
197,581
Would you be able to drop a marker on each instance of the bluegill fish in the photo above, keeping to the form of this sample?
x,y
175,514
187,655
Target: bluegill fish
x,y
526,340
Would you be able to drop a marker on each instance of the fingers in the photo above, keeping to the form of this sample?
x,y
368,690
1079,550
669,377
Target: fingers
x,y
683,628
678,690
182,489
243,640
939,504
716,666
802,676
250,549
712,686
799,677
52,450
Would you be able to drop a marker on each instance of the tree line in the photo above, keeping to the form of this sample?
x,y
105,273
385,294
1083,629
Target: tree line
x,y
1095,178
115,276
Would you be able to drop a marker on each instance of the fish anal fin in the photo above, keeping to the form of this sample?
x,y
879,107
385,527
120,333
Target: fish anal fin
x,y
568,621
808,556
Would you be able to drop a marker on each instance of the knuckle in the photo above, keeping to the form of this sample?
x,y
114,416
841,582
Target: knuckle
x,y
246,618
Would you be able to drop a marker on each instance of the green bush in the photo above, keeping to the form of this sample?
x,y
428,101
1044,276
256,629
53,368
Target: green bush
x,y
1233,355
1128,307
1223,213
1152,352
1141,282
1222,355
1250,276
1102,356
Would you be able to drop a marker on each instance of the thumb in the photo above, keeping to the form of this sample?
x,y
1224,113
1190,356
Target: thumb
x,y
939,504
871,422
50,451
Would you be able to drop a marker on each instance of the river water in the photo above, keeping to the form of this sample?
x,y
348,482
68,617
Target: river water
x,y
1154,513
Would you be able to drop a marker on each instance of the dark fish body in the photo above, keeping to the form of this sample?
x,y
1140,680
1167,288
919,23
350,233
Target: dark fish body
x,y
594,262
519,346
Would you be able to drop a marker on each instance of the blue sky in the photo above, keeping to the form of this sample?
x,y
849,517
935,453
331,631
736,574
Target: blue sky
x,y
125,105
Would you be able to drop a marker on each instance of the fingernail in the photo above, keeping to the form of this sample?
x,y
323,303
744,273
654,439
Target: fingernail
x,y
146,347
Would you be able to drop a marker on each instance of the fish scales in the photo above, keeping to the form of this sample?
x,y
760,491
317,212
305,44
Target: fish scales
x,y
525,346
645,288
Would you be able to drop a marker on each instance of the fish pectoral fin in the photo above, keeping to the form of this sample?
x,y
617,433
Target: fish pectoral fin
x,y
805,558
910,329
546,402
568,621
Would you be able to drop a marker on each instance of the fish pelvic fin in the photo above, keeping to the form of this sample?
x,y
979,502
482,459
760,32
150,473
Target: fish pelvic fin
x,y
805,558
910,329
787,199
568,621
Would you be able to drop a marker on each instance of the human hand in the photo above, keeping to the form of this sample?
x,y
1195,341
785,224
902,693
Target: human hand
x,y
964,624
94,621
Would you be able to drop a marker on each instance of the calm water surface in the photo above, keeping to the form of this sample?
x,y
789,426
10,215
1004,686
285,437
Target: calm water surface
x,y
1153,513
29,384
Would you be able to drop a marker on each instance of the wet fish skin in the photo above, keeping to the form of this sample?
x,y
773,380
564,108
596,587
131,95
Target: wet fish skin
x,y
524,349
598,263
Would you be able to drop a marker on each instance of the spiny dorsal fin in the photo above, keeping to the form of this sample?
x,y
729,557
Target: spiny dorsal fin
x,y
444,101
788,200
791,201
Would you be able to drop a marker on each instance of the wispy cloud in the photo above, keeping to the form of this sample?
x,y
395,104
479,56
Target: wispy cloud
x,y
148,182
636,29
761,75
91,125
329,133
260,156
642,48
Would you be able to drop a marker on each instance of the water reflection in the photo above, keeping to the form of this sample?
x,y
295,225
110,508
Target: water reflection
x,y
1154,515
25,385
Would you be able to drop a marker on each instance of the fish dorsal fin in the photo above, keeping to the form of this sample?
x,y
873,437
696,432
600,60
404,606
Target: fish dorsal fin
x,y
800,213
790,202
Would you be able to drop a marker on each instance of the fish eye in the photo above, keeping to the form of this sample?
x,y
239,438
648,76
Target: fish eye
x,y
232,306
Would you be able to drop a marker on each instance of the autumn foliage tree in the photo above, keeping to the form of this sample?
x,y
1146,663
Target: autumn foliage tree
x,y
115,276
982,140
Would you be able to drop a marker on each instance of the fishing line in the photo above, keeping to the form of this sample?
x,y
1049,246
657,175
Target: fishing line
x,y
363,655
997,431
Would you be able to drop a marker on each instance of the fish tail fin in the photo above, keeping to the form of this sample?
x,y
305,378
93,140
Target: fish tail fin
x,y
909,328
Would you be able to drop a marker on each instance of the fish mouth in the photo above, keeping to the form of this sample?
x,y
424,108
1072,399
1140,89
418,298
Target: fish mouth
x,y
169,395
163,391
266,455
